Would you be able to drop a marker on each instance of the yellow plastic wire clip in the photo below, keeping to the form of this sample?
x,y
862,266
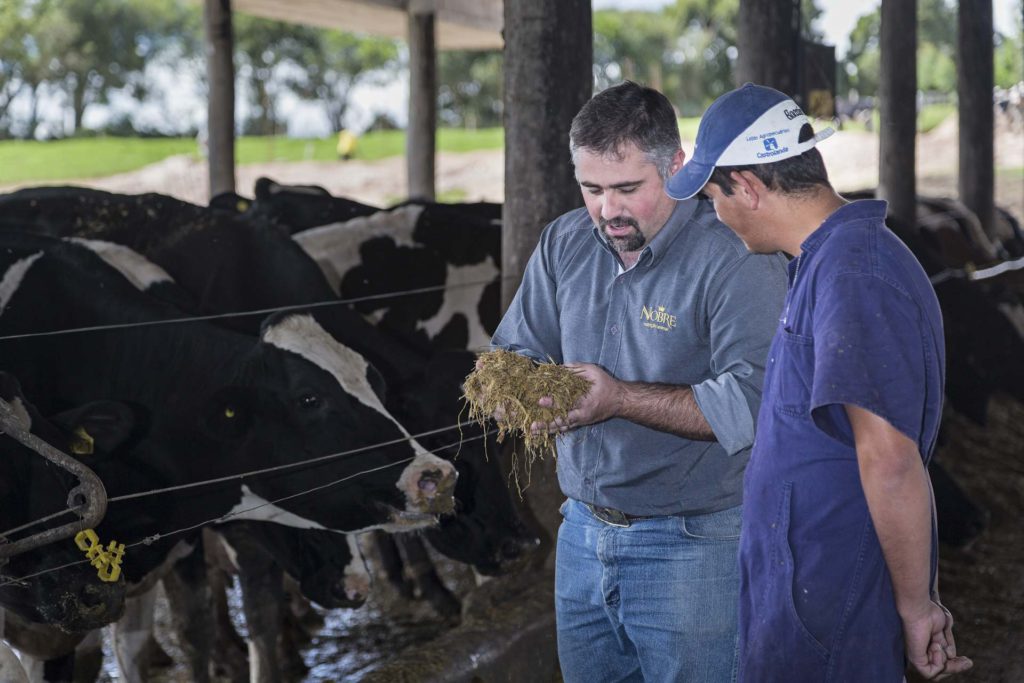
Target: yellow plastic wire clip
x,y
107,561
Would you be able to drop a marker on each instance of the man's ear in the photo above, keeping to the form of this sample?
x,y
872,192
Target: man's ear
x,y
677,162
749,188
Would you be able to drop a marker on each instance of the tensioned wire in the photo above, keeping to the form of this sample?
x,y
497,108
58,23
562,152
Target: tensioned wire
x,y
149,540
258,311
254,473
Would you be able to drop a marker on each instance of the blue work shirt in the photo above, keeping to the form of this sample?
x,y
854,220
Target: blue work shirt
x,y
860,326
697,309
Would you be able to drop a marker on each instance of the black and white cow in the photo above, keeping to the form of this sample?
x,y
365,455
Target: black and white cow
x,y
239,421
453,254
72,598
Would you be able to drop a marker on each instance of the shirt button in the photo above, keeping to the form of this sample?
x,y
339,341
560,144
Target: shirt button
x,y
588,481
614,330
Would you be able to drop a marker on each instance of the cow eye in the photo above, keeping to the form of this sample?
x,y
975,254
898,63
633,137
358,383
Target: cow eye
x,y
309,401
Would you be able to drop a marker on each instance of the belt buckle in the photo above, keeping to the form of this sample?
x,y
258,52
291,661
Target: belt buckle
x,y
610,516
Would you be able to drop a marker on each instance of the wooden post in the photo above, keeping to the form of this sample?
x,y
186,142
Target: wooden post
x,y
768,37
548,78
422,127
897,108
220,112
975,80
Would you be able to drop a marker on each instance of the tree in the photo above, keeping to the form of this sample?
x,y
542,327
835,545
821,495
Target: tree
x,y
103,45
333,63
470,88
264,51
936,46
632,46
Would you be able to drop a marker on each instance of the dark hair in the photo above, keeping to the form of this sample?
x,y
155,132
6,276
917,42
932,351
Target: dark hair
x,y
628,113
796,175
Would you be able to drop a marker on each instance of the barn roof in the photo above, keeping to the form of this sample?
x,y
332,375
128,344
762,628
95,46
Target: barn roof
x,y
459,24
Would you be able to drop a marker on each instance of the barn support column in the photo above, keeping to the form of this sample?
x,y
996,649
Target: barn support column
x,y
975,80
220,112
769,42
548,78
897,107
420,139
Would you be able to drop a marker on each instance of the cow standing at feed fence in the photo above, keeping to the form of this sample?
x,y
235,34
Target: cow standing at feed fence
x,y
220,401
228,265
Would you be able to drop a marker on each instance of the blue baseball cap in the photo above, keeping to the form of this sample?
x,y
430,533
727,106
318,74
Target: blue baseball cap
x,y
750,125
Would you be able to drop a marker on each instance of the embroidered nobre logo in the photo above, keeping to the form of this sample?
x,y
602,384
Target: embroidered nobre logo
x,y
657,318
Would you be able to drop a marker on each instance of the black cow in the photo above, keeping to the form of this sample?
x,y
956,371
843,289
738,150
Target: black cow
x,y
453,254
72,598
296,394
297,207
295,278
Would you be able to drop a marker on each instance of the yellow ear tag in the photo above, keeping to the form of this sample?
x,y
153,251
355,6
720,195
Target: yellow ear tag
x,y
242,206
107,561
229,412
85,444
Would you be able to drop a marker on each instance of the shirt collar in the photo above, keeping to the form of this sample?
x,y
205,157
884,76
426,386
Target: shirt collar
x,y
864,209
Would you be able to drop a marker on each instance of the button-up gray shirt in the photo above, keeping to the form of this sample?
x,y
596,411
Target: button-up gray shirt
x,y
697,309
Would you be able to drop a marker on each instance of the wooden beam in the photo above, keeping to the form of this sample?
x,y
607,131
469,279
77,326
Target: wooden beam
x,y
459,24
220,116
897,109
422,126
548,78
975,79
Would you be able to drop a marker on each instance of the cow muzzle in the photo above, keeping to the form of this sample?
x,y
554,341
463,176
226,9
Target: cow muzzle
x,y
428,484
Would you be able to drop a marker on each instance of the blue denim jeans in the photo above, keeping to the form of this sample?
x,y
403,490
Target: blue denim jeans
x,y
655,601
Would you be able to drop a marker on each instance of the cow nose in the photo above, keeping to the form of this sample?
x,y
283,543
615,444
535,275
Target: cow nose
x,y
429,484
438,487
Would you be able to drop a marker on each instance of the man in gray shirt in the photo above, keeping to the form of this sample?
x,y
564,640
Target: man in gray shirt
x,y
666,312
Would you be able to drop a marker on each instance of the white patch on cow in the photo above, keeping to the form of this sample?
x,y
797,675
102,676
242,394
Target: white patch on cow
x,y
465,300
302,335
139,270
1015,314
11,669
11,280
131,632
259,509
335,247
357,576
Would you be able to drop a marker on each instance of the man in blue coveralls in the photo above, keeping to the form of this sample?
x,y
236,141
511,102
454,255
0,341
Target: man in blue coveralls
x,y
665,311
838,555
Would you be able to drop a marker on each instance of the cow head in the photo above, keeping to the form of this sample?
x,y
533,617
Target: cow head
x,y
487,530
53,584
302,395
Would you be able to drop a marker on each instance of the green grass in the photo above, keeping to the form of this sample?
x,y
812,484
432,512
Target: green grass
x,y
688,127
26,161
930,116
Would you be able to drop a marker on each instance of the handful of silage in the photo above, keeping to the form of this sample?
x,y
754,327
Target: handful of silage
x,y
515,383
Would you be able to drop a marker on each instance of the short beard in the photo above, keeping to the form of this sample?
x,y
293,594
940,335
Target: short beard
x,y
628,244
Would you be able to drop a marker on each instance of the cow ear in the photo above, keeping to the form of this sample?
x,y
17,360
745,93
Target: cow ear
x,y
98,426
376,381
229,414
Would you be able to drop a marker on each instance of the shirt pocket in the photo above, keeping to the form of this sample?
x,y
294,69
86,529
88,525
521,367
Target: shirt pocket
x,y
794,374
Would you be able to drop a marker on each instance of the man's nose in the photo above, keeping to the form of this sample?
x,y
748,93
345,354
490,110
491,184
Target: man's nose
x,y
610,206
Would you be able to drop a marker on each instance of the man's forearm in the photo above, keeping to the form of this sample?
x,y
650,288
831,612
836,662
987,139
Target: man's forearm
x,y
665,407
898,499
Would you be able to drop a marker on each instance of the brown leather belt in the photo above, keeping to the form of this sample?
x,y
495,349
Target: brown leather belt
x,y
614,517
